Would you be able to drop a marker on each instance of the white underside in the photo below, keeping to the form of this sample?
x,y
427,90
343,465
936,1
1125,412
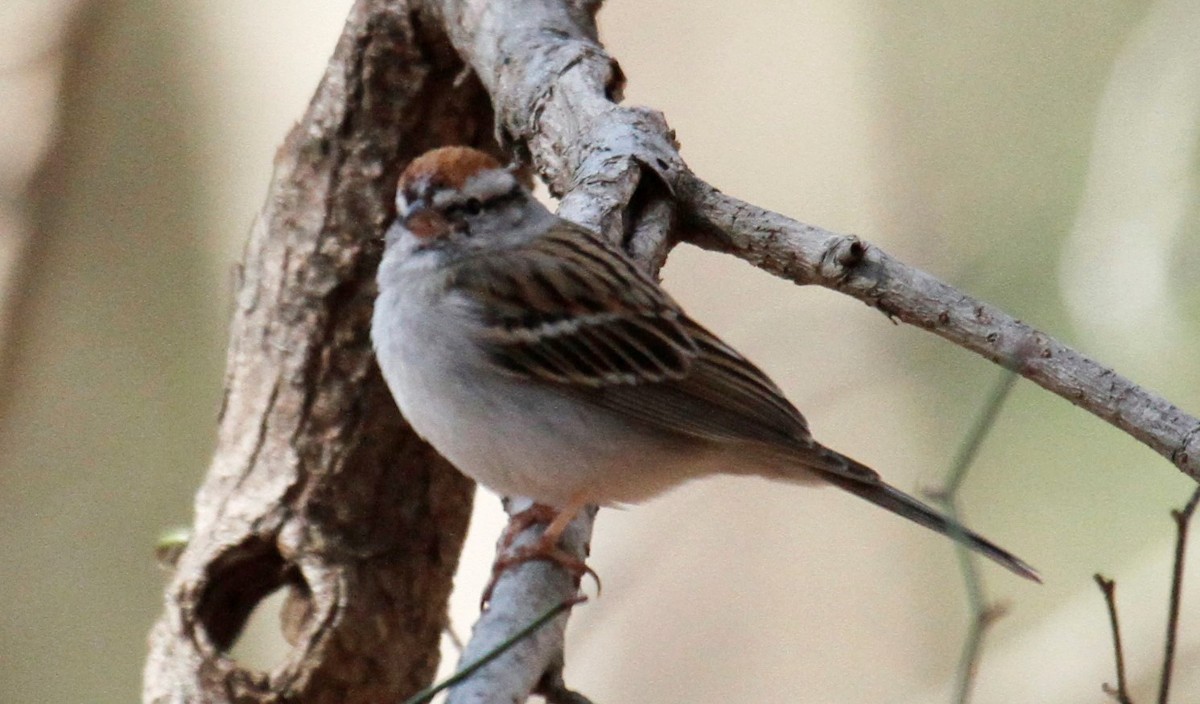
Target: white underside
x,y
514,436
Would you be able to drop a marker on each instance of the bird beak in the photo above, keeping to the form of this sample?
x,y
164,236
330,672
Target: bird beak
x,y
423,221
405,208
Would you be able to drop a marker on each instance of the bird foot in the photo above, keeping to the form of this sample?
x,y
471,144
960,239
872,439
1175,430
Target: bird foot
x,y
536,514
546,548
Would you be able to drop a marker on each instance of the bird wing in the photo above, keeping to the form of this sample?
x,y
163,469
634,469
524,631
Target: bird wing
x,y
566,310
570,310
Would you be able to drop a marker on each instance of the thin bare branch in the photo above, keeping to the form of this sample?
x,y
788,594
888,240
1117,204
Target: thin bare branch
x,y
811,255
520,594
1109,589
554,89
1183,519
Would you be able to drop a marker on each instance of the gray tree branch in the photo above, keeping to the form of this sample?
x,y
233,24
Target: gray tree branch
x,y
811,255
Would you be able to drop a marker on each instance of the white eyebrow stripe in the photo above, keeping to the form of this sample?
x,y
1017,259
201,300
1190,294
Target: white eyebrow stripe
x,y
490,184
484,187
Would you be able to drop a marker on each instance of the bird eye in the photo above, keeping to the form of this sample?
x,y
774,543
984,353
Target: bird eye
x,y
472,206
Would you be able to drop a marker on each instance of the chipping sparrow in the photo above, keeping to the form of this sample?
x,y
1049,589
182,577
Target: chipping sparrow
x,y
542,362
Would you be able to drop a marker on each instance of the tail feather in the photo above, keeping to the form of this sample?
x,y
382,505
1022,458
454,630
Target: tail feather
x,y
858,479
809,460
902,504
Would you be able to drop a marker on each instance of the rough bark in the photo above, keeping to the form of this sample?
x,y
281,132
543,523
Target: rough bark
x,y
555,94
317,485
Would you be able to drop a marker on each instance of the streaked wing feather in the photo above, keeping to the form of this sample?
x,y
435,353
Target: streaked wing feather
x,y
569,310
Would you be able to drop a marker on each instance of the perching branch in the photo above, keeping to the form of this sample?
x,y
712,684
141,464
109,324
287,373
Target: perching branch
x,y
553,89
426,695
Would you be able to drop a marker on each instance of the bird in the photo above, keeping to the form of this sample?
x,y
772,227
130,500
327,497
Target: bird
x,y
543,362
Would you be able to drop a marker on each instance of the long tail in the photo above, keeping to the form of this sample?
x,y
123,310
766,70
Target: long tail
x,y
862,481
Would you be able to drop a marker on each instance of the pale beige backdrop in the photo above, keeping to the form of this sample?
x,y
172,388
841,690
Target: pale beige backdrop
x,y
1040,155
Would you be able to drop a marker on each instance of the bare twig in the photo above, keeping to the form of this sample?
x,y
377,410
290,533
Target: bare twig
x,y
811,255
983,615
1109,588
1182,520
969,450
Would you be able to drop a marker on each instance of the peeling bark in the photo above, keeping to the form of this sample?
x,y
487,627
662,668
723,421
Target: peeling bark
x,y
317,484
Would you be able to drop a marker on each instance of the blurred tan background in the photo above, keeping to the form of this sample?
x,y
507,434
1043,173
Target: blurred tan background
x,y
1042,156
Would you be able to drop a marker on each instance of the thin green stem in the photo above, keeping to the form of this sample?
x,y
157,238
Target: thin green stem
x,y
982,615
426,695
974,440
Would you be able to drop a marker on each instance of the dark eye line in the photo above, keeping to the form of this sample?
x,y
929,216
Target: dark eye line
x,y
474,206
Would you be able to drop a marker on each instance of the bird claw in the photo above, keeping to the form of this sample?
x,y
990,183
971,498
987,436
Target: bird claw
x,y
518,523
546,548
